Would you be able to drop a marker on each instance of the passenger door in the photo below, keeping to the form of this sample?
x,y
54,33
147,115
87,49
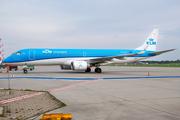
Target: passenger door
x,y
31,54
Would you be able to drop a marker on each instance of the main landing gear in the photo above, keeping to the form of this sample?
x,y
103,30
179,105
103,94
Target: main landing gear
x,y
88,70
98,70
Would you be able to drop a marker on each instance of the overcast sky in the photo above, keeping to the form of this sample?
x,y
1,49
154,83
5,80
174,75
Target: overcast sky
x,y
89,24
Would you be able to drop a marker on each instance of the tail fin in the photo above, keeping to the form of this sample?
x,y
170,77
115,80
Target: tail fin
x,y
151,41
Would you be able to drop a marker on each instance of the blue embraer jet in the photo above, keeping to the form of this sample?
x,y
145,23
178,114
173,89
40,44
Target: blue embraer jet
x,y
84,59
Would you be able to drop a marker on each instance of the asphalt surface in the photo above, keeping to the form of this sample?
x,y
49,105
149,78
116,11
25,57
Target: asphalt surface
x,y
114,98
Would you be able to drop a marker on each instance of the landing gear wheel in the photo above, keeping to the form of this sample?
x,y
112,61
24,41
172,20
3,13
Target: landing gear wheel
x,y
88,70
98,70
25,71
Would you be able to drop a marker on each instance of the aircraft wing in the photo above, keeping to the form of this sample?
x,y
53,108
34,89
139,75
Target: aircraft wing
x,y
160,52
104,59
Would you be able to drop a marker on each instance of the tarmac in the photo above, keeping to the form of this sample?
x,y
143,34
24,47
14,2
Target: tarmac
x,y
126,93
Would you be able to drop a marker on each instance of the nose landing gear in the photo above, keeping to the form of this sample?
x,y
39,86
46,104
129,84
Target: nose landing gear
x,y
25,71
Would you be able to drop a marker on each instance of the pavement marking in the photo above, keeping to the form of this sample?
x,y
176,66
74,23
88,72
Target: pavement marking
x,y
73,85
149,77
22,97
26,96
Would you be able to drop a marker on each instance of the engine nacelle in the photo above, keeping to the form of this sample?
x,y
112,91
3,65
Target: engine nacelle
x,y
65,67
79,65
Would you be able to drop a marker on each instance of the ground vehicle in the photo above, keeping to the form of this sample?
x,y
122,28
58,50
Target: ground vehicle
x,y
31,67
10,67
2,66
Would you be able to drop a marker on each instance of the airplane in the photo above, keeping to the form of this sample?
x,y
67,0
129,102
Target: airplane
x,y
84,59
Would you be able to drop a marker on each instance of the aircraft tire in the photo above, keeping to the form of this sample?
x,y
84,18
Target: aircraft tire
x,y
98,70
25,71
88,70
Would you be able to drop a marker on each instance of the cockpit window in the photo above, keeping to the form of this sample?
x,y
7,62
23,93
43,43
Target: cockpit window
x,y
14,53
18,53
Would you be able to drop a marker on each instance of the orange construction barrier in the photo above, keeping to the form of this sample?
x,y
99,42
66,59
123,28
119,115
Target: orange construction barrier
x,y
57,116
148,73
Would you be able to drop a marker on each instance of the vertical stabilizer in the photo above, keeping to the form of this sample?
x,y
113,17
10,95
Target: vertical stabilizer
x,y
151,41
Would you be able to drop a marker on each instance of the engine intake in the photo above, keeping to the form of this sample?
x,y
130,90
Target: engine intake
x,y
79,65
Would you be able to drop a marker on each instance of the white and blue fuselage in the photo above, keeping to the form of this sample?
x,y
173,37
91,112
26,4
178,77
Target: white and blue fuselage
x,y
66,56
84,59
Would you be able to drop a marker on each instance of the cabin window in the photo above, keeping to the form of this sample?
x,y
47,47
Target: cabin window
x,y
99,53
115,53
92,53
96,53
47,53
88,53
112,53
103,53
75,53
71,53
106,53
51,53
79,53
56,53
43,53
68,53
109,53
84,53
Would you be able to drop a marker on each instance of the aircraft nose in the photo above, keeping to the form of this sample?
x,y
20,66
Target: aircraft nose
x,y
6,60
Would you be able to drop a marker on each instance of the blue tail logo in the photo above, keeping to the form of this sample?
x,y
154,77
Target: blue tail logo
x,y
150,42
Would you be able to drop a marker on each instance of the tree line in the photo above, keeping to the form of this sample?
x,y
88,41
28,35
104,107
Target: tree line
x,y
162,61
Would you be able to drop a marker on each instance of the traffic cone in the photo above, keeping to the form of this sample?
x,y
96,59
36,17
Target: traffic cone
x,y
148,73
7,69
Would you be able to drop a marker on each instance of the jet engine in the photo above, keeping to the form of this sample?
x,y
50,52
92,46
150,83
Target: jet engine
x,y
65,67
79,65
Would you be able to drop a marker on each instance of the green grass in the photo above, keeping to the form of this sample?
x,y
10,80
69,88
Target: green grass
x,y
170,65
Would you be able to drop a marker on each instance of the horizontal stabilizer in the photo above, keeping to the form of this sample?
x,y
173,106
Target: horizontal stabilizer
x,y
160,52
